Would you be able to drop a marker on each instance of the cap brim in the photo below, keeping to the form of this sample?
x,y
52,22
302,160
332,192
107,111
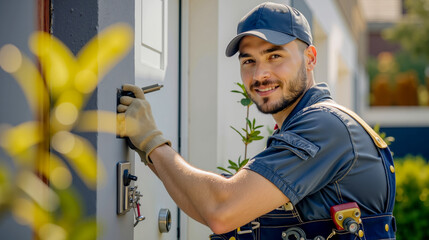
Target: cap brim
x,y
274,37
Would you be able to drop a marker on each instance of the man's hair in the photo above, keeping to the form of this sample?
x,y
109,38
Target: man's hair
x,y
302,45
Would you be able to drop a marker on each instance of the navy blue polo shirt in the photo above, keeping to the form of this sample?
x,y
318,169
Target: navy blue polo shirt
x,y
321,157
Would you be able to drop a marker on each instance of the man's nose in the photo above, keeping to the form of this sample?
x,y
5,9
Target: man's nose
x,y
262,72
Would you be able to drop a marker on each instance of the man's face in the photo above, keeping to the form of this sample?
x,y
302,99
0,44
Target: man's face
x,y
274,76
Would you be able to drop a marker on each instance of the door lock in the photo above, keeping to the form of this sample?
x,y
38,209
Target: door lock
x,y
124,190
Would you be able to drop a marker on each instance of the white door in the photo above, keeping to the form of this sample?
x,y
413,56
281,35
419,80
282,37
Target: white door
x,y
156,61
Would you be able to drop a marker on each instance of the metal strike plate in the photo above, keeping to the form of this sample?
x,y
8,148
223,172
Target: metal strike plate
x,y
123,201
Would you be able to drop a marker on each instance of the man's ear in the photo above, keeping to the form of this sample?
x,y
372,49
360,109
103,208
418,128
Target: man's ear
x,y
310,57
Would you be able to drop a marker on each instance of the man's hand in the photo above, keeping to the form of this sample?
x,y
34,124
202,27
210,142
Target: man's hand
x,y
136,122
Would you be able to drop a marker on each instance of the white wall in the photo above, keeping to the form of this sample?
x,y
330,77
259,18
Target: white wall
x,y
337,52
230,111
200,93
208,78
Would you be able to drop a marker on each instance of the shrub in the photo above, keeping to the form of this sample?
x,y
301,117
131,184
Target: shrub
x,y
412,198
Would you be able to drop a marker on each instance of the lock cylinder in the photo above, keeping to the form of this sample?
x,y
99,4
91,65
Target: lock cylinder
x,y
128,177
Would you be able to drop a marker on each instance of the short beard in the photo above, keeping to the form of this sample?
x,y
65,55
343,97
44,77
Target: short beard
x,y
296,91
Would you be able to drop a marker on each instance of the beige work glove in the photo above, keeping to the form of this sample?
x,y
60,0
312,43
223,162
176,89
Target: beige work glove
x,y
136,122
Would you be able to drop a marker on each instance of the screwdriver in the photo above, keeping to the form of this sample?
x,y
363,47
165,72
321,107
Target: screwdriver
x,y
147,89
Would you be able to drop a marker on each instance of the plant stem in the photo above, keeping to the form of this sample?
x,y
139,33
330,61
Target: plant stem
x,y
247,135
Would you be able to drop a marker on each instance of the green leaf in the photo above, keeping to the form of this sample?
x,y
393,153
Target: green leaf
x,y
377,128
223,169
248,122
244,163
242,92
242,87
238,132
233,168
239,162
244,130
387,139
245,102
233,163
258,138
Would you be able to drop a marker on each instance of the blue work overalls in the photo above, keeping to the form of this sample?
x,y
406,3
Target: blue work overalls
x,y
284,224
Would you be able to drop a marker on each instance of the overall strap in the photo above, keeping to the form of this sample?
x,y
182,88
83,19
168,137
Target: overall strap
x,y
390,171
383,149
377,139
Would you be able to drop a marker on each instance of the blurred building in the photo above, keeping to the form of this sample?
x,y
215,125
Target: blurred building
x,y
401,114
379,16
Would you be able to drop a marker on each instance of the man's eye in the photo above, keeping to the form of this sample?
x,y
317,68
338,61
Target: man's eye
x,y
247,61
274,56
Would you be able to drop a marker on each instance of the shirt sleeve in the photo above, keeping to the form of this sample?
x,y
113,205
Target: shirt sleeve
x,y
312,151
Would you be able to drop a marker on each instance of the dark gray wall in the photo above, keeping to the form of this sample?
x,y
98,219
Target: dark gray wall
x,y
75,22
16,25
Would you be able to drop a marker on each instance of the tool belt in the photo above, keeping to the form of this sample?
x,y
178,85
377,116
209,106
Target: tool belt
x,y
277,225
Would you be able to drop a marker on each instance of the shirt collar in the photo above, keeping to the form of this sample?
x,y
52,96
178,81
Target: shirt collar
x,y
317,93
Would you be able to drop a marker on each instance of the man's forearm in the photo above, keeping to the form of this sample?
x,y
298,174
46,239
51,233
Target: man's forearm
x,y
196,192
218,202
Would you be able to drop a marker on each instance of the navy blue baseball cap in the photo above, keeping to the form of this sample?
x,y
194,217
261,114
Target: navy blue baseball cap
x,y
276,23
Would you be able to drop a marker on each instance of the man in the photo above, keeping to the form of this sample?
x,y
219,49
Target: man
x,y
319,157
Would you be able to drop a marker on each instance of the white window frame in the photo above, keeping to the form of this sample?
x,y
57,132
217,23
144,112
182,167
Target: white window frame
x,y
395,116
145,72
